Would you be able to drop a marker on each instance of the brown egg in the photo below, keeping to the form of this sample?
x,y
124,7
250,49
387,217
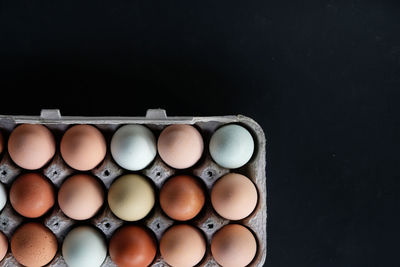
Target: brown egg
x,y
234,196
132,246
3,245
182,246
182,197
180,146
32,195
1,142
81,196
233,246
33,244
31,146
83,147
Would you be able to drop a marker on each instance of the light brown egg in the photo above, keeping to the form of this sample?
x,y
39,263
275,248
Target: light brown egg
x,y
132,246
233,246
182,197
31,146
81,196
1,142
3,245
182,246
32,195
83,147
180,146
33,244
234,196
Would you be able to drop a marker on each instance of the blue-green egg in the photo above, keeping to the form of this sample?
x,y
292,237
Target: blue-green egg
x,y
231,146
84,246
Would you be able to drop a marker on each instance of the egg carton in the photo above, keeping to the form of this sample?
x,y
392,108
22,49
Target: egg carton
x,y
208,221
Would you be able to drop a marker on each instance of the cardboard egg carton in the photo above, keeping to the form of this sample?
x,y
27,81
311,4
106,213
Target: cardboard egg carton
x,y
156,119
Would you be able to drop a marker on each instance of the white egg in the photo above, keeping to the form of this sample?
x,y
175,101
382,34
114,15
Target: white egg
x,y
84,246
3,196
133,147
231,146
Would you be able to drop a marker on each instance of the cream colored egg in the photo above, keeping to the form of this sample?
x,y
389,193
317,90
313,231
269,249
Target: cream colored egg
x,y
131,197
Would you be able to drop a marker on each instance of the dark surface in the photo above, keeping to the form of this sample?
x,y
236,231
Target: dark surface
x,y
323,80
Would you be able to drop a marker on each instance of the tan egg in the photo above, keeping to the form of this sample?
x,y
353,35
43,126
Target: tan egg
x,y
180,146
182,197
32,195
234,196
233,246
182,246
31,146
83,147
33,244
3,245
81,196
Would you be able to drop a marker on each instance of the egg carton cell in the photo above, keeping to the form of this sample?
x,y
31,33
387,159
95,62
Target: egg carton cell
x,y
207,221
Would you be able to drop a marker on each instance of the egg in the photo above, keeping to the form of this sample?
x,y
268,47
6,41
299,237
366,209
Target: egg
x,y
231,146
180,146
3,196
133,147
32,195
84,246
81,196
182,197
234,196
131,197
33,244
132,246
3,245
182,246
31,146
83,147
1,142
233,246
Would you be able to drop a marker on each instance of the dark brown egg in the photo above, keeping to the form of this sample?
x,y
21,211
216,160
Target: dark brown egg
x,y
132,246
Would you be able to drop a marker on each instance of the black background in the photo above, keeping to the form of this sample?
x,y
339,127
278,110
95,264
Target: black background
x,y
322,78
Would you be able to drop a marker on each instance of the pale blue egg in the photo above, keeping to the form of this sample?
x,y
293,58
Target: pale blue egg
x,y
84,246
231,146
133,147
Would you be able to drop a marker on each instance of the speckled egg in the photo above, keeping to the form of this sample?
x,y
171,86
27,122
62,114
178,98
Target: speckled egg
x,y
33,244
